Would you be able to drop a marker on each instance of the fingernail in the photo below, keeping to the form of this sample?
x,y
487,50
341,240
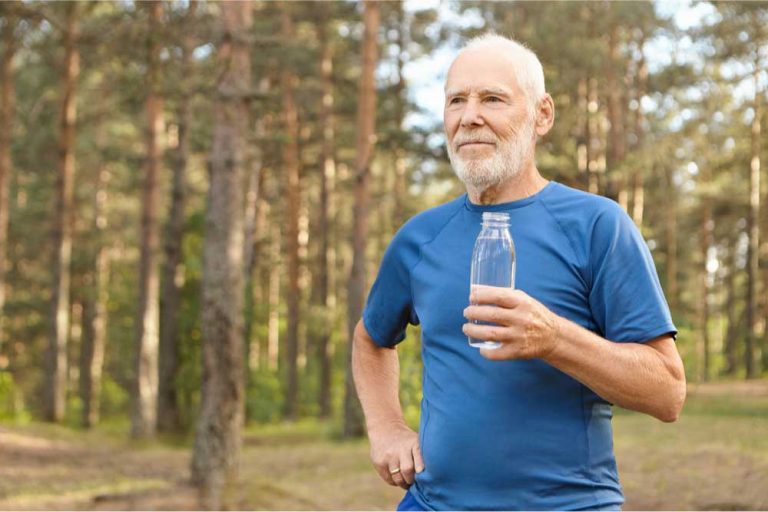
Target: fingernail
x,y
419,470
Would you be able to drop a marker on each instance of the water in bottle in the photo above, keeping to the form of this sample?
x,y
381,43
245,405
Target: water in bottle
x,y
493,261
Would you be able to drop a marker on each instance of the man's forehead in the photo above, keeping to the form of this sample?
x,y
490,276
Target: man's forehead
x,y
476,69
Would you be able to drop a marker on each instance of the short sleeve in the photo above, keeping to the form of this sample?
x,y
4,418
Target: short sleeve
x,y
626,298
389,308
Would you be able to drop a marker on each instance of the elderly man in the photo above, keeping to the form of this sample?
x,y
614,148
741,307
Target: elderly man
x,y
526,425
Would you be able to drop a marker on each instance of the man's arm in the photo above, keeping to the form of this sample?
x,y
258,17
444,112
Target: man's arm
x,y
394,446
645,377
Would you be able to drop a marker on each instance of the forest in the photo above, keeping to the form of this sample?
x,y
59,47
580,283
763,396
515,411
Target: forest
x,y
195,196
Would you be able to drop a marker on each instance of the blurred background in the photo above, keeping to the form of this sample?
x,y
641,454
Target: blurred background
x,y
305,134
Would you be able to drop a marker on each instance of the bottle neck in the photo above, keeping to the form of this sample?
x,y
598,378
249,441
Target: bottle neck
x,y
495,225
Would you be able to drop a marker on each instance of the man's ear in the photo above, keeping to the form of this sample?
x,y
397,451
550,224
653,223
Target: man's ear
x,y
545,115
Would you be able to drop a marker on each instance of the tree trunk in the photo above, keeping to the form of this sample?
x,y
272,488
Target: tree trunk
x,y
615,149
729,347
401,178
366,122
293,195
254,223
705,239
144,413
273,322
170,299
326,254
753,269
56,375
593,137
257,276
670,213
95,313
582,138
638,185
217,440
6,126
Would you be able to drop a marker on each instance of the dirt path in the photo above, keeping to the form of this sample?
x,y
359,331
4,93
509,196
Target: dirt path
x,y
49,468
714,457
39,473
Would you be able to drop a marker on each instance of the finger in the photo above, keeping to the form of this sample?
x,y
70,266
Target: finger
x,y
383,472
503,353
493,314
406,467
485,332
397,477
501,296
418,461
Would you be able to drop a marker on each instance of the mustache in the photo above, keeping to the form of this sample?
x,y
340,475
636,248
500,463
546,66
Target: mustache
x,y
467,138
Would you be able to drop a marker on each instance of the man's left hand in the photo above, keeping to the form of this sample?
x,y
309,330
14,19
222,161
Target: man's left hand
x,y
525,327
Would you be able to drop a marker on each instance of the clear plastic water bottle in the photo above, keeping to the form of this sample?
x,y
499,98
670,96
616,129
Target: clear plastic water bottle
x,y
493,262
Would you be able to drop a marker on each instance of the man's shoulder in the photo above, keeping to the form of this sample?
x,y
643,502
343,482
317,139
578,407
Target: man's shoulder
x,y
565,197
425,225
577,207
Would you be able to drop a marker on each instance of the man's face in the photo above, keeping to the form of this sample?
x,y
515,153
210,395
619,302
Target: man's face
x,y
488,122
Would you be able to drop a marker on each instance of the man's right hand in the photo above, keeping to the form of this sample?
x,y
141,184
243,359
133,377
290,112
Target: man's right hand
x,y
392,447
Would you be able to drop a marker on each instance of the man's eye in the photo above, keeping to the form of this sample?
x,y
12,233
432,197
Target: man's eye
x,y
456,100
492,99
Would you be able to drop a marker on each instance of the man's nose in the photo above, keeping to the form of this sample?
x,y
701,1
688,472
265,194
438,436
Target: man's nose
x,y
472,114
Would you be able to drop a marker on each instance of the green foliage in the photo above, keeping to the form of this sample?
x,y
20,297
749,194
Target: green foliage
x,y
264,401
11,407
114,399
411,368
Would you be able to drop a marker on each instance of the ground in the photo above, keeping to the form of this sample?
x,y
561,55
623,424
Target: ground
x,y
714,458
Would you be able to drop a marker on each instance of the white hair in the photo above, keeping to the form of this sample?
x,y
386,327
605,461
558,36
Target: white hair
x,y
530,74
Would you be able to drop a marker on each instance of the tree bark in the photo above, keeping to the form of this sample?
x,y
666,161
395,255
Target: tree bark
x,y
293,195
170,299
6,126
217,440
95,312
366,122
56,375
144,412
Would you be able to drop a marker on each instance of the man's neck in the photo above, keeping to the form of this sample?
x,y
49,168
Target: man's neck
x,y
521,186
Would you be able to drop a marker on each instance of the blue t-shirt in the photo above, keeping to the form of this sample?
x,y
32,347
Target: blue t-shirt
x,y
502,435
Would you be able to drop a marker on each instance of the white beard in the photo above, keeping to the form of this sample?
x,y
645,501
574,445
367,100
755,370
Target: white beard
x,y
505,163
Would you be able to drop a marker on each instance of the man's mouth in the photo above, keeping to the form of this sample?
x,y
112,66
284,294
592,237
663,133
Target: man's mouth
x,y
474,143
